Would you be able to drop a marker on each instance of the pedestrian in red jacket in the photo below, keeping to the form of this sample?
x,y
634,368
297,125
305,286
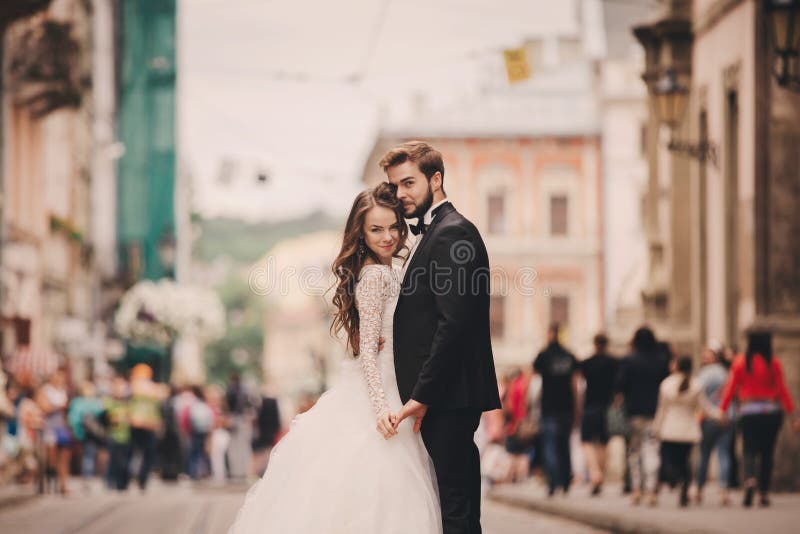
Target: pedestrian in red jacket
x,y
756,379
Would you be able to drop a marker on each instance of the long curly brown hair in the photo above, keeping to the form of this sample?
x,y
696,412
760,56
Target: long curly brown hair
x,y
350,260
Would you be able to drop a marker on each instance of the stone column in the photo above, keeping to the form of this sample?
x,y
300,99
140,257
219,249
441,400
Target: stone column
x,y
777,235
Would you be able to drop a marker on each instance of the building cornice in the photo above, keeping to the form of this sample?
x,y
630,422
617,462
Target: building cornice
x,y
471,133
715,13
541,248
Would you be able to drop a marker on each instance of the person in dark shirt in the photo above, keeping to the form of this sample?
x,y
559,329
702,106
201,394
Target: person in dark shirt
x,y
638,381
558,369
267,428
241,428
235,396
600,372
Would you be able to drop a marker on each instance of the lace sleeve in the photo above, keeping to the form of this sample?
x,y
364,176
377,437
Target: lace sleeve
x,y
371,293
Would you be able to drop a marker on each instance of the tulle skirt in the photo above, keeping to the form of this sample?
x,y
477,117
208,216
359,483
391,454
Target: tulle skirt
x,y
333,473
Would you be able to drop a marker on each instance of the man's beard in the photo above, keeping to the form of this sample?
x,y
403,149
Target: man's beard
x,y
423,208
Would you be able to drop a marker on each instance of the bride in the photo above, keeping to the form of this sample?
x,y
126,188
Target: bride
x,y
333,473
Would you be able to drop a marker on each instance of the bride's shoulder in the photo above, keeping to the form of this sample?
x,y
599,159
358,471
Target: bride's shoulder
x,y
374,271
375,277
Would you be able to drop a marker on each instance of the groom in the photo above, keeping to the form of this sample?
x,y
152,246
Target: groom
x,y
442,351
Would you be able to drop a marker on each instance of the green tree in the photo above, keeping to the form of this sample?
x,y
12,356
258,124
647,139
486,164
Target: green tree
x,y
241,348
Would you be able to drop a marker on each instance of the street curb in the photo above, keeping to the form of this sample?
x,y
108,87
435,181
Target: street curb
x,y
616,524
16,500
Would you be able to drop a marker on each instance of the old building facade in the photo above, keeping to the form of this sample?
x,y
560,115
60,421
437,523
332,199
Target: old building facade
x,y
47,267
722,202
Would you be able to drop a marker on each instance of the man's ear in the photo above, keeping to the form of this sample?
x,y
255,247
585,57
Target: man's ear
x,y
436,181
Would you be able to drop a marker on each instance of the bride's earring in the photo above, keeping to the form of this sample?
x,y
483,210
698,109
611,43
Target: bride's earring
x,y
361,249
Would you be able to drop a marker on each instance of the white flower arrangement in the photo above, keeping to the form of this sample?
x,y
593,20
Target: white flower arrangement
x,y
159,312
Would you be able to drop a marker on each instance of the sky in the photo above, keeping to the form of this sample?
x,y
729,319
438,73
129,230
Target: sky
x,y
300,88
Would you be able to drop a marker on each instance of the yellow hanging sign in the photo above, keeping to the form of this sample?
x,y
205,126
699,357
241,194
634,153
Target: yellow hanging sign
x,y
517,66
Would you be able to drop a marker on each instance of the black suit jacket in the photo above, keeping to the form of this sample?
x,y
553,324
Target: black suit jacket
x,y
442,349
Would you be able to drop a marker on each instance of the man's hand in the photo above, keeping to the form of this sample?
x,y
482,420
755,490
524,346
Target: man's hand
x,y
412,409
386,425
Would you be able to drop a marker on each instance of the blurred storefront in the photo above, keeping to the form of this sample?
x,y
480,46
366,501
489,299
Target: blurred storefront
x,y
88,170
47,268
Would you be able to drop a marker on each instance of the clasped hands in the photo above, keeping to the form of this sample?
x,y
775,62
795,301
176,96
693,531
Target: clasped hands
x,y
389,422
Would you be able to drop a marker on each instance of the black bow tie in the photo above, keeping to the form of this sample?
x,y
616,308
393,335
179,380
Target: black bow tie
x,y
419,228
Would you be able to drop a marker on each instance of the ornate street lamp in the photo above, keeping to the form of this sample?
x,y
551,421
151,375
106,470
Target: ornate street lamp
x,y
784,18
668,69
671,100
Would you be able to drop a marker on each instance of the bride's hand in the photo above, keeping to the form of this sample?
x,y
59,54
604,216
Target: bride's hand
x,y
414,409
386,425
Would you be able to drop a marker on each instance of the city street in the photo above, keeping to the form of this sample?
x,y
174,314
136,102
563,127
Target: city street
x,y
184,510
236,233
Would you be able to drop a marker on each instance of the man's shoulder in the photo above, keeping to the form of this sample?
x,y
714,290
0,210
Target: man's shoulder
x,y
452,222
454,219
455,228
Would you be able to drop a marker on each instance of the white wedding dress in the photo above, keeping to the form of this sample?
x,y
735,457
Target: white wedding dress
x,y
334,473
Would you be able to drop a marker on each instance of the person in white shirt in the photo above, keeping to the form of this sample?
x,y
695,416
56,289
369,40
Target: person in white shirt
x,y
680,398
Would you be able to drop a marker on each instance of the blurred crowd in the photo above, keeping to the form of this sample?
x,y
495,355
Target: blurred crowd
x,y
124,428
560,413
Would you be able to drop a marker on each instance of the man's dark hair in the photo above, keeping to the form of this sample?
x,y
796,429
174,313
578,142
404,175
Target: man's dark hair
x,y
428,159
601,342
644,340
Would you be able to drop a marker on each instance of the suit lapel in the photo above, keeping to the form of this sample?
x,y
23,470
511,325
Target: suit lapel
x,y
443,212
